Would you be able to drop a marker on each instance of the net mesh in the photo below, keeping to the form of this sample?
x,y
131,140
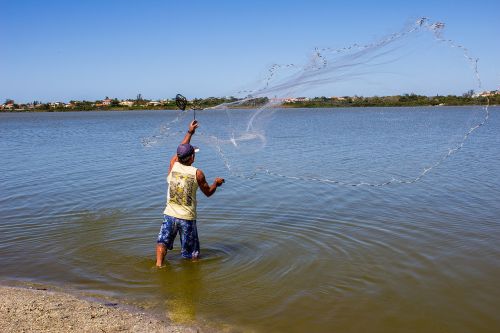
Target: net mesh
x,y
244,144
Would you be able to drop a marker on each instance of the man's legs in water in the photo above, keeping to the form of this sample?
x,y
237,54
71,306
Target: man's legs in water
x,y
161,252
166,238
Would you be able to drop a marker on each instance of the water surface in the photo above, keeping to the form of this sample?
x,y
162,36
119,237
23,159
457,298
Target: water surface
x,y
81,203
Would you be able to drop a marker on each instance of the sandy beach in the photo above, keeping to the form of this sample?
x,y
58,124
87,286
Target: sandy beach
x,y
35,310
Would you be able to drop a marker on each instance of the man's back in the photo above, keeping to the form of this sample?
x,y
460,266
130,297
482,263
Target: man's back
x,y
181,194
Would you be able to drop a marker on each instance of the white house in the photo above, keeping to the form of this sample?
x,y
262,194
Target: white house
x,y
126,103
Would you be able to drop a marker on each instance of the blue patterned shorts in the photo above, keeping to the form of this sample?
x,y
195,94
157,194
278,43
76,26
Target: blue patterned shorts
x,y
190,245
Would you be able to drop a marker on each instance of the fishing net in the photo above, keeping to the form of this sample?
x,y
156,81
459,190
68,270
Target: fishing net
x,y
257,135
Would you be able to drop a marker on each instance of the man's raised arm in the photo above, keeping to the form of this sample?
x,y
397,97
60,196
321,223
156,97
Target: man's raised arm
x,y
187,139
192,128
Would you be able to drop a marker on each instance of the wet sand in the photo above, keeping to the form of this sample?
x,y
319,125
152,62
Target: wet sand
x,y
33,310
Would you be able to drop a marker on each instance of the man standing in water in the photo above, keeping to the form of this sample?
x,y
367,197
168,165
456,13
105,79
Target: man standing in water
x,y
180,214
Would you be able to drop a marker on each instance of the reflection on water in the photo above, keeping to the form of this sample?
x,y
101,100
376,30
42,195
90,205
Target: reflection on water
x,y
181,288
85,198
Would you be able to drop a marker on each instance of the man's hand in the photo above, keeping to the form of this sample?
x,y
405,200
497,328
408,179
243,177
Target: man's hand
x,y
193,126
219,181
187,138
208,190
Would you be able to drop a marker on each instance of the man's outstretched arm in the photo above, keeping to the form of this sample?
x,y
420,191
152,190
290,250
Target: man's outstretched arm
x,y
187,139
208,190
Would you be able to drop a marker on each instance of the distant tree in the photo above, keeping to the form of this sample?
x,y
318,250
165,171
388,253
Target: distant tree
x,y
468,94
9,101
139,97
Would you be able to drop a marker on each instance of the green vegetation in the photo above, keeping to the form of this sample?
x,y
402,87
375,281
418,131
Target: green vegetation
x,y
388,101
317,102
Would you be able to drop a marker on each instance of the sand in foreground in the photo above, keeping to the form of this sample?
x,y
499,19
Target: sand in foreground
x,y
31,310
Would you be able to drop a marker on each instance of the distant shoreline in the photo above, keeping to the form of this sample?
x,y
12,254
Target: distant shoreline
x,y
241,108
406,100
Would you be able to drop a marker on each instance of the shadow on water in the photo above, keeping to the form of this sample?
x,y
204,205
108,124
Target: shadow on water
x,y
179,289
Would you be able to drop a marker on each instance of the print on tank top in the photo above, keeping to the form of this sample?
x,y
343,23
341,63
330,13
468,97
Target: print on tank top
x,y
181,188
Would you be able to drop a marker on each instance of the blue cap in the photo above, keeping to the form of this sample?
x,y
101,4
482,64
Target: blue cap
x,y
185,150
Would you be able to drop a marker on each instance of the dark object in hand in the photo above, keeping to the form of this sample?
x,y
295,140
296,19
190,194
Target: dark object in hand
x,y
181,102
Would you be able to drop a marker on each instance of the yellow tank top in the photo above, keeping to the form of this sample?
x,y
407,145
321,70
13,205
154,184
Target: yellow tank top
x,y
181,194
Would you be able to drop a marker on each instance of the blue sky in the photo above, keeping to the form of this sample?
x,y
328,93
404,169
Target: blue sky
x,y
85,49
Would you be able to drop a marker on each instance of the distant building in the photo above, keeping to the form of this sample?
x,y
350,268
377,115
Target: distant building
x,y
126,103
107,102
487,93
8,105
154,103
56,104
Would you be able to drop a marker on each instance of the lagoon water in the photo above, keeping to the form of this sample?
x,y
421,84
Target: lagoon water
x,y
81,203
